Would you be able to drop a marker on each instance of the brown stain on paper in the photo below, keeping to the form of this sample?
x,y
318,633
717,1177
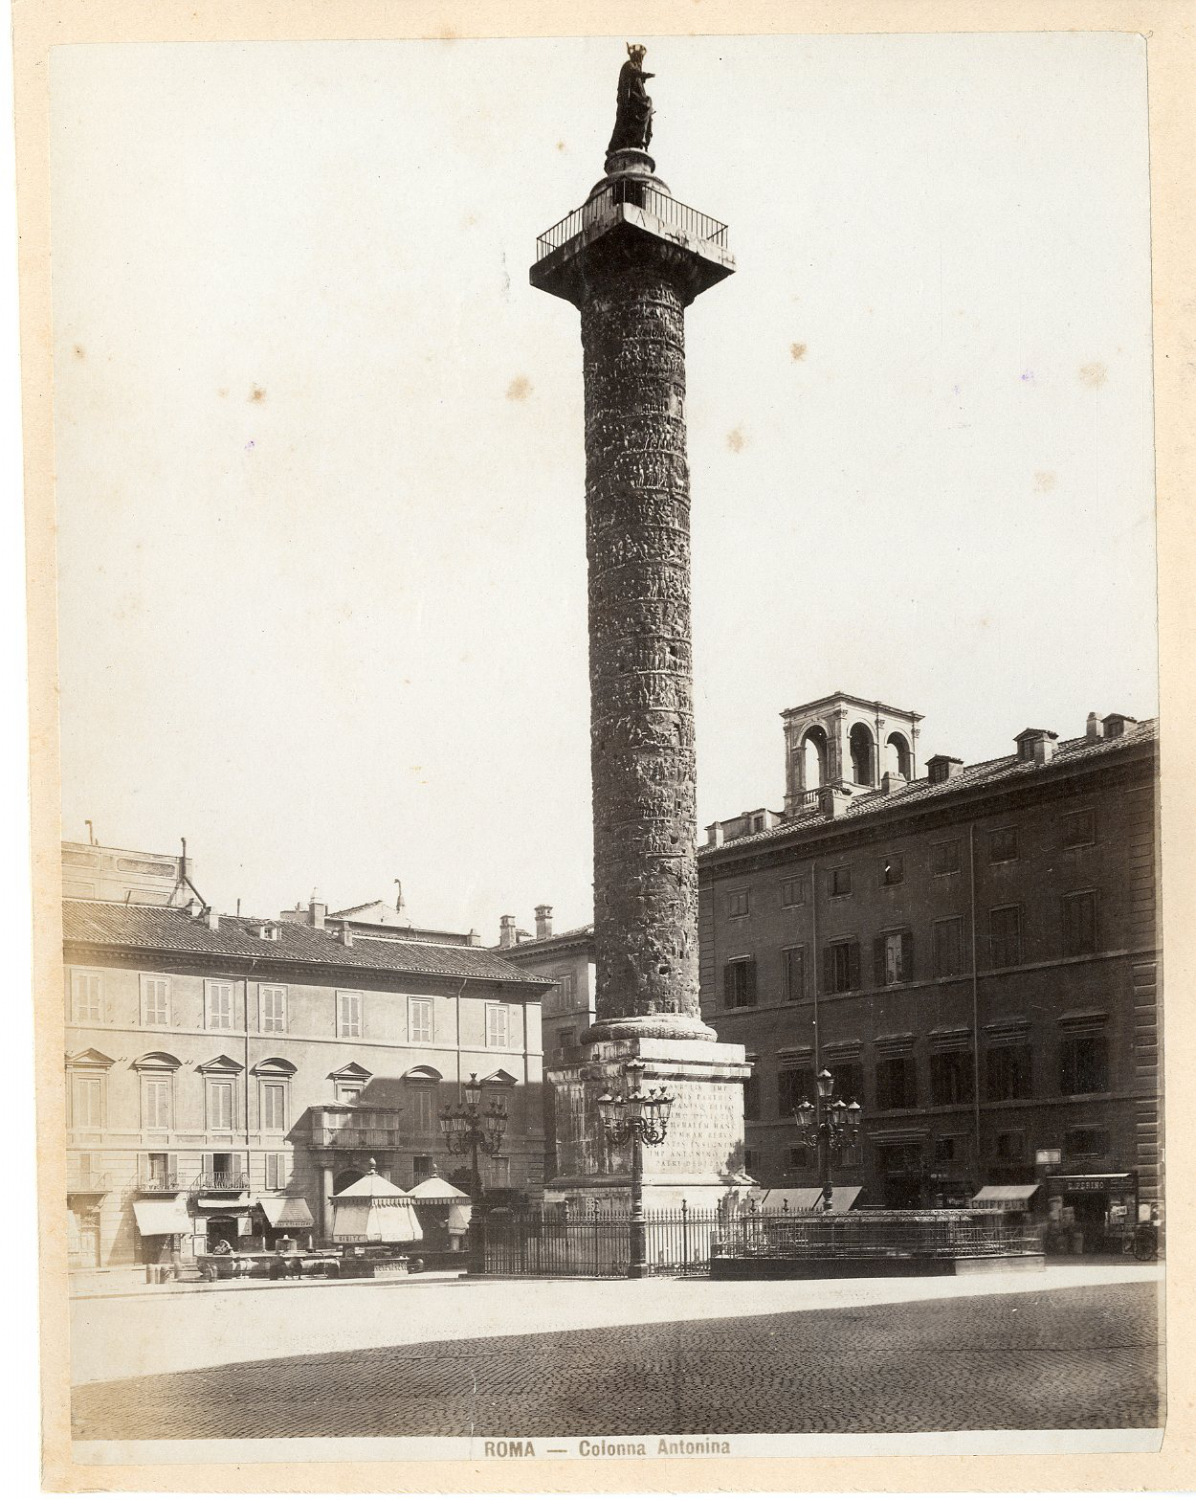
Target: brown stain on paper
x,y
1044,482
797,351
257,394
1093,375
519,389
736,440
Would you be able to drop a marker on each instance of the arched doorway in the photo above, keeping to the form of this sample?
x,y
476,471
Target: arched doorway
x,y
347,1178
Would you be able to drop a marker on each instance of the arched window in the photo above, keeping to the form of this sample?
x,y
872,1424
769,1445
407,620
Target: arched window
x,y
897,756
813,758
861,745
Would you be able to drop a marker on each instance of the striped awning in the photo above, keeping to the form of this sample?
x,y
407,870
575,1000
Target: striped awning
x,y
1005,1195
286,1213
161,1215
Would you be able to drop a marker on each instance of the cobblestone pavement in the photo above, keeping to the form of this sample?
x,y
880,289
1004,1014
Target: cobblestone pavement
x,y
1043,1359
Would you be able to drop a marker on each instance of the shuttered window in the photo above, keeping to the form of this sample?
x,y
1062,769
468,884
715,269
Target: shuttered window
x,y
1005,927
1079,923
948,947
421,1026
220,1104
498,1026
156,1090
87,1101
348,1013
795,973
220,1005
86,996
155,1001
841,966
739,983
893,958
272,999
274,1106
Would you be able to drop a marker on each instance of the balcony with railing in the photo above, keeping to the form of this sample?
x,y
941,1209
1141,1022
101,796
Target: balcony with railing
x,y
221,1182
159,1182
632,193
352,1127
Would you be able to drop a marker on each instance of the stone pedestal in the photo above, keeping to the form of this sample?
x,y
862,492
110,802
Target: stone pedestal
x,y
701,1157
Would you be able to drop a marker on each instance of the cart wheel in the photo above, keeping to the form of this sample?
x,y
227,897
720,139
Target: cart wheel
x,y
332,1270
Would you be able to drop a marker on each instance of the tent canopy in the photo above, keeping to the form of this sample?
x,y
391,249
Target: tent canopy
x,y
437,1190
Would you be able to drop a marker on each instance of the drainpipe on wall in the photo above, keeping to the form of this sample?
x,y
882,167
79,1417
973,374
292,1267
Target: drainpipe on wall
x,y
814,957
975,1000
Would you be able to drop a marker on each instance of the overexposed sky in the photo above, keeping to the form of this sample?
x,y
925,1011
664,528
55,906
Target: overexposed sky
x,y
319,445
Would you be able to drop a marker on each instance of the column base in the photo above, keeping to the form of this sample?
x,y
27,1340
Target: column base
x,y
700,1160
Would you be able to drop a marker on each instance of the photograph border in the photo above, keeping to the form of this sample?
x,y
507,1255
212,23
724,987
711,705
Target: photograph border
x,y
1168,26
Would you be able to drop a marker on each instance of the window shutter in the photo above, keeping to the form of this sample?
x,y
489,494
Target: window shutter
x,y
728,984
143,1166
853,966
907,955
172,1168
828,969
209,1164
750,981
245,1165
878,960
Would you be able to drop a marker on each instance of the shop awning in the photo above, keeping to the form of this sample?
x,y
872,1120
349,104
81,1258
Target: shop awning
x,y
161,1215
1005,1195
286,1213
802,1200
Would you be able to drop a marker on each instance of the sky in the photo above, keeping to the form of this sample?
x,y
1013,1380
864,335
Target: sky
x,y
320,473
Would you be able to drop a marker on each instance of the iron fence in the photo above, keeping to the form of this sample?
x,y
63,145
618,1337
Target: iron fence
x,y
633,194
682,1241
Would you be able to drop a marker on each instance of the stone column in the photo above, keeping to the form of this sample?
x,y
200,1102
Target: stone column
x,y
641,671
631,260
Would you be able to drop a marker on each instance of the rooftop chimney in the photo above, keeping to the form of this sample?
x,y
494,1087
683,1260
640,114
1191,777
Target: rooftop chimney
x,y
714,835
833,800
892,781
345,933
317,910
195,907
942,768
474,939
213,919
506,932
1094,730
543,921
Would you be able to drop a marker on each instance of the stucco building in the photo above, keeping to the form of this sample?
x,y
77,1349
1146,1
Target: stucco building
x,y
971,950
227,1075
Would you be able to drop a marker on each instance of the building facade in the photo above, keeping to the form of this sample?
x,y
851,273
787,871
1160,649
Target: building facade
x,y
972,953
567,1010
225,1075
103,872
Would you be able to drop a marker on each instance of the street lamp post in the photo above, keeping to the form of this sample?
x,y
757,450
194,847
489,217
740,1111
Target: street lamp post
x,y
467,1130
642,1119
828,1126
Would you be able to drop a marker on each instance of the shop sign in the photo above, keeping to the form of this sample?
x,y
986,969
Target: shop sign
x,y
1050,1156
1090,1184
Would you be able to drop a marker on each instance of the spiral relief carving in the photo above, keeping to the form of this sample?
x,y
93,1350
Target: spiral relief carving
x,y
641,684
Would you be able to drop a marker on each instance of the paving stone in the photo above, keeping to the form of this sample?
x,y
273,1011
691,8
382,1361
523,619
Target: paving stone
x,y
1083,1357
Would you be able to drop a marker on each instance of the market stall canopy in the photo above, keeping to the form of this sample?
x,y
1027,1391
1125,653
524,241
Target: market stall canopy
x,y
374,1211
1004,1195
161,1215
436,1190
286,1213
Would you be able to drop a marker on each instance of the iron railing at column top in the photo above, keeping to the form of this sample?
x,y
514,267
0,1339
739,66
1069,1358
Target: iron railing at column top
x,y
633,194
